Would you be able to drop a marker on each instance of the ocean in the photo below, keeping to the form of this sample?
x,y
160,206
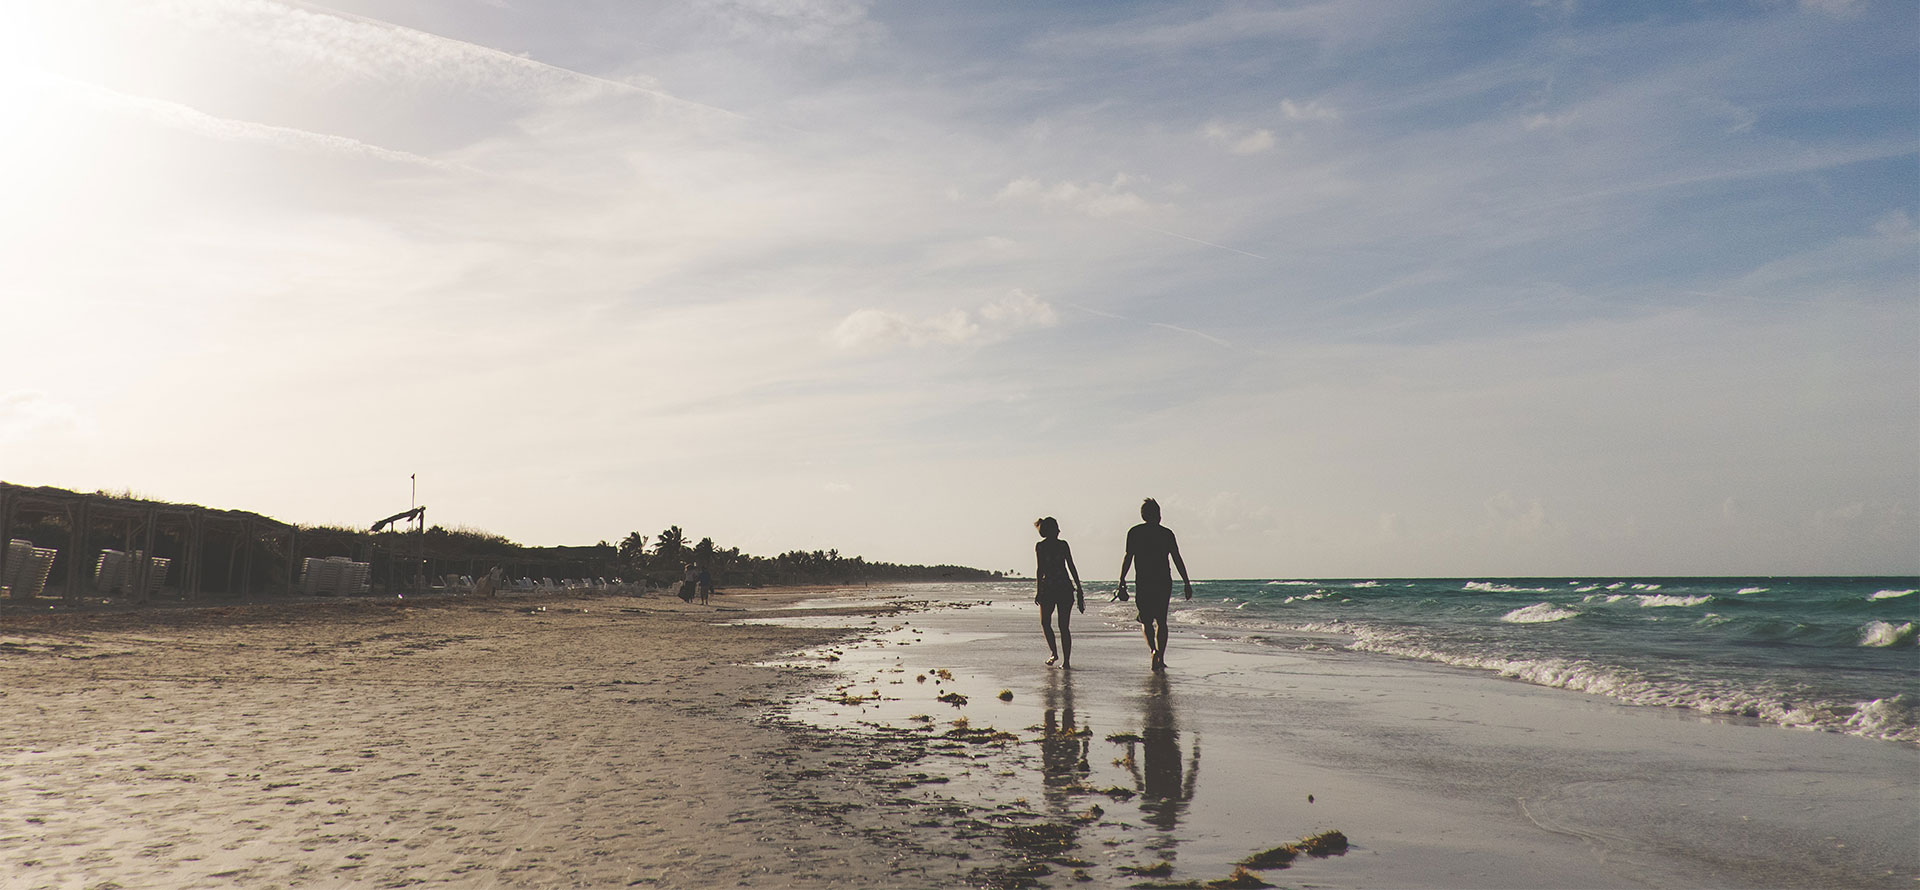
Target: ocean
x,y
1834,654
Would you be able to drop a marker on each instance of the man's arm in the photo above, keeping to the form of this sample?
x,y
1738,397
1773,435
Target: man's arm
x,y
1125,564
1173,545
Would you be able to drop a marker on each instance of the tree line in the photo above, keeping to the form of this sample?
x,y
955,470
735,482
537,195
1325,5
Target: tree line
x,y
662,558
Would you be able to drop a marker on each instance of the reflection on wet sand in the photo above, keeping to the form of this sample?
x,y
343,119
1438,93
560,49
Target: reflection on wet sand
x,y
1063,745
1166,782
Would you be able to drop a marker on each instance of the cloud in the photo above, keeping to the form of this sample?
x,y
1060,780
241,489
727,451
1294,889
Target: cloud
x,y
1311,110
1096,199
1239,141
838,27
181,117
366,49
998,319
1544,121
1896,226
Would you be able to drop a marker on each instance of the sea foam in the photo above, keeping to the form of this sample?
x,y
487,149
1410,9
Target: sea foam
x,y
1881,634
1538,613
1746,590
1893,718
1889,594
1491,587
1657,601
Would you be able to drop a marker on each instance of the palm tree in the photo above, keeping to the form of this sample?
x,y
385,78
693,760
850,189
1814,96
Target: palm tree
x,y
703,552
634,551
668,544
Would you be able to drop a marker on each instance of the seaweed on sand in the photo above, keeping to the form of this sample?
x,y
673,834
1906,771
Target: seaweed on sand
x,y
1044,839
1326,843
1241,879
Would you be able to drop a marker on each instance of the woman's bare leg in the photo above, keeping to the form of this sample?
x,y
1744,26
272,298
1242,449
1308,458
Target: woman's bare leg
x,y
1066,637
1046,625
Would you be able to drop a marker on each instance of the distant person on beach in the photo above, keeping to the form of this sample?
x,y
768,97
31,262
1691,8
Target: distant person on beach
x,y
689,584
1057,586
1149,546
706,585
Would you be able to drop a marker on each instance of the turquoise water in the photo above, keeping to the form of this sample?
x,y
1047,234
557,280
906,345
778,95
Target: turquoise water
x,y
1835,654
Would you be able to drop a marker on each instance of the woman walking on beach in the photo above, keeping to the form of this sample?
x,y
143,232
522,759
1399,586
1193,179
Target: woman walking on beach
x,y
1057,581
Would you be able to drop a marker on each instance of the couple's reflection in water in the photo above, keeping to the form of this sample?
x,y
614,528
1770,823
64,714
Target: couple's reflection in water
x,y
1163,777
1165,781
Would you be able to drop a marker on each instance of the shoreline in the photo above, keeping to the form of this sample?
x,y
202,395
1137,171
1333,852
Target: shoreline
x,y
770,741
1440,776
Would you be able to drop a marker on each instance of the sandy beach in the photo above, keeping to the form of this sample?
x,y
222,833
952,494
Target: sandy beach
x,y
593,742
619,741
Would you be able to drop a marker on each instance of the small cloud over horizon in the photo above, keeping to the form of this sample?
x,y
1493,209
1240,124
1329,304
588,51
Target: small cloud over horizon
x,y
878,329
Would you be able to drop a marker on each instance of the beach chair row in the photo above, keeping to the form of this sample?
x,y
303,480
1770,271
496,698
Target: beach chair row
x,y
114,572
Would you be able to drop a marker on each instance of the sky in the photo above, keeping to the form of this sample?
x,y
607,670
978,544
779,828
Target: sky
x,y
1354,289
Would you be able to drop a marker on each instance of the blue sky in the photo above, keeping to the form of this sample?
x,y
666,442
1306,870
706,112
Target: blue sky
x,y
1354,289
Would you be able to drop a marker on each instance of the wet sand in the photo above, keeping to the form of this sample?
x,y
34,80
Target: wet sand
x,y
1438,776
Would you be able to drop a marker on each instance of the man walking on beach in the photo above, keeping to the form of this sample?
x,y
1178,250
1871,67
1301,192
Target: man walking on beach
x,y
1150,545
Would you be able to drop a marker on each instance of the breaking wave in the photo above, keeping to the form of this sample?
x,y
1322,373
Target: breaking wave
x,y
1882,634
1495,587
1894,718
1538,613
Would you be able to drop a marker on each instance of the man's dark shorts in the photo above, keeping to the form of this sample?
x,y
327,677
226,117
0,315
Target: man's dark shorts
x,y
1151,599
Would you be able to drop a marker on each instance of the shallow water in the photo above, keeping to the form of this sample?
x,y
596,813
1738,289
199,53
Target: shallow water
x,y
1441,777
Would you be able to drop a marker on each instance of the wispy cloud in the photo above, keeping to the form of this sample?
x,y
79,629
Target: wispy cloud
x,y
1238,140
181,117
1097,199
880,329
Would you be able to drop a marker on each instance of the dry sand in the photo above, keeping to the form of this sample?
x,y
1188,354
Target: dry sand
x,y
600,742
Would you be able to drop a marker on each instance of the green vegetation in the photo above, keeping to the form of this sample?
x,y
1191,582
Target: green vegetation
x,y
664,563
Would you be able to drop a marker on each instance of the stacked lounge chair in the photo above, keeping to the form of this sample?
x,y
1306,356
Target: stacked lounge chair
x,y
115,572
27,568
334,576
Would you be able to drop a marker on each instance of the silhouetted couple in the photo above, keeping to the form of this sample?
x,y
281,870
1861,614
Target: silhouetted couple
x,y
1150,547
